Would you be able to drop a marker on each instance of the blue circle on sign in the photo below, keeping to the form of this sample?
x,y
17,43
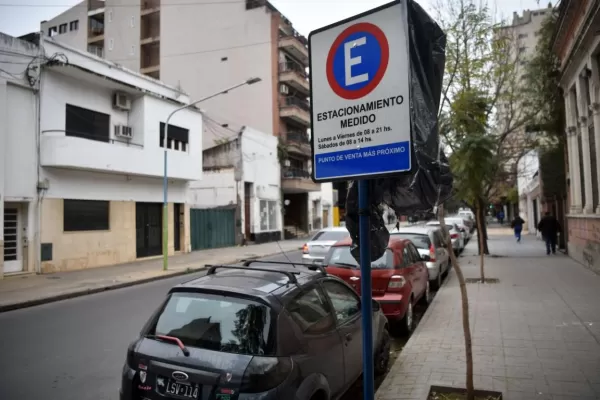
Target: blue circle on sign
x,y
368,64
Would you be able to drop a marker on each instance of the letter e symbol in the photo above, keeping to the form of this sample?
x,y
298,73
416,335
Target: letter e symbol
x,y
349,61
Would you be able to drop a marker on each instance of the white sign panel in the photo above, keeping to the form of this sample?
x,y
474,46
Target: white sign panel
x,y
359,71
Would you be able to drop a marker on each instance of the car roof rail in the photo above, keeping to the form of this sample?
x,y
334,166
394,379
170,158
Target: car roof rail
x,y
312,267
213,268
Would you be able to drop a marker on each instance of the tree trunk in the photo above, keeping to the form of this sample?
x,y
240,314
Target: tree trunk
x,y
465,312
481,243
481,227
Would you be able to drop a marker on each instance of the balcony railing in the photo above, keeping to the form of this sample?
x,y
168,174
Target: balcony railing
x,y
293,67
291,101
295,173
298,137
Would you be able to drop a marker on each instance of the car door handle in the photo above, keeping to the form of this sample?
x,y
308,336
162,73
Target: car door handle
x,y
348,337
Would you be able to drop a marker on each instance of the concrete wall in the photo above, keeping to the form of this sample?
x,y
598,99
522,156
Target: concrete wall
x,y
584,240
194,42
217,188
76,38
122,32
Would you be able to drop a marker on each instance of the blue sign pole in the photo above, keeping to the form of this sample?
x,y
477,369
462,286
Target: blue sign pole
x,y
365,289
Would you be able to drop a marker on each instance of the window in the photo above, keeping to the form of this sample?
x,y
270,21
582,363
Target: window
x,y
109,15
522,35
132,23
522,49
86,215
407,258
421,241
438,239
326,236
218,323
111,44
268,215
177,137
414,252
132,51
346,303
341,255
52,31
312,312
74,25
62,28
87,124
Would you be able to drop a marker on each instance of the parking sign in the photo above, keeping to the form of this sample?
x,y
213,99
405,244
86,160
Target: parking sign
x,y
360,121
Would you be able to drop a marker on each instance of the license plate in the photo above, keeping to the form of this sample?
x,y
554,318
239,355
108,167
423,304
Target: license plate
x,y
182,390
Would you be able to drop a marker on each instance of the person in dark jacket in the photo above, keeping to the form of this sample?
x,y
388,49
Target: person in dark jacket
x,y
549,228
517,225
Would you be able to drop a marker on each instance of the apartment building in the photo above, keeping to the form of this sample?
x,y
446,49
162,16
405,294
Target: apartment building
x,y
206,47
82,139
577,44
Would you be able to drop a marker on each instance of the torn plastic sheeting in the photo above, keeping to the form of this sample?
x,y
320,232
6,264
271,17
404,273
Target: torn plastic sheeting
x,y
430,181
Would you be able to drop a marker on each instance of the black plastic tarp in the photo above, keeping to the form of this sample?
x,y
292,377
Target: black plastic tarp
x,y
430,181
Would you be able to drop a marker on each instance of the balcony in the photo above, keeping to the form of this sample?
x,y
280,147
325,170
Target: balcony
x,y
96,28
296,45
296,180
149,7
96,7
150,60
295,109
298,143
115,156
295,76
98,51
150,29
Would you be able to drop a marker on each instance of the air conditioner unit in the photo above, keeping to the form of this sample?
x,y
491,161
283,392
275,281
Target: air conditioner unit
x,y
283,89
123,131
121,102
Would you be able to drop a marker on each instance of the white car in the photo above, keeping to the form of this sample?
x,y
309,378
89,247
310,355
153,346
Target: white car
x,y
315,250
462,225
429,241
458,242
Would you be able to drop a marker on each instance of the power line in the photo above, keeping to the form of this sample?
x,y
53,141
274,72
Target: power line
x,y
138,5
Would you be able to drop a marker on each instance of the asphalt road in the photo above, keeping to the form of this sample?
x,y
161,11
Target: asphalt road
x,y
75,349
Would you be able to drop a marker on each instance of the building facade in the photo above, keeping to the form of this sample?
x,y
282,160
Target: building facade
x,y
208,47
577,44
242,175
84,150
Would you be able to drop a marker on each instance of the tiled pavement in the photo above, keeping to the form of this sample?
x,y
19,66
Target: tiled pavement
x,y
536,333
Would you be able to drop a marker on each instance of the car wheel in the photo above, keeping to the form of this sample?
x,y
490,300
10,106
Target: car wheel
x,y
407,323
427,296
382,356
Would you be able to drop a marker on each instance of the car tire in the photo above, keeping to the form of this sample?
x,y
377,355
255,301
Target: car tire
x,y
425,300
382,356
407,323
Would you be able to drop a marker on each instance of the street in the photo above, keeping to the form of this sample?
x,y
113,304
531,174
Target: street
x,y
74,349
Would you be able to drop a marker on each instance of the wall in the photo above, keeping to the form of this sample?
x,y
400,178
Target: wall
x,y
76,38
122,32
584,241
193,42
217,188
325,198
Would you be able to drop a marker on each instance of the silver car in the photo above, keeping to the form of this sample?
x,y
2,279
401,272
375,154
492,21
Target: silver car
x,y
429,242
456,236
315,250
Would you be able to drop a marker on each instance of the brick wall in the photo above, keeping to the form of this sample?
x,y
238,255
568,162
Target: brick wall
x,y
584,240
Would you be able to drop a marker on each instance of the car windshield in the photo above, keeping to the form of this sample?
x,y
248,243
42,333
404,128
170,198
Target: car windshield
x,y
326,236
421,241
218,323
342,256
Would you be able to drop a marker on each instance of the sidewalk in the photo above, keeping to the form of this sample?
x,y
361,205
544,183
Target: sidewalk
x,y
536,333
29,290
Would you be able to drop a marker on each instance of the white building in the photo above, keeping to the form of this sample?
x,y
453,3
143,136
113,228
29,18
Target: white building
x,y
242,175
205,48
82,179
528,185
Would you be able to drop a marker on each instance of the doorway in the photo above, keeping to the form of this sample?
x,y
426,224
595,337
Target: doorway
x,y
177,211
13,238
325,217
148,229
247,203
535,215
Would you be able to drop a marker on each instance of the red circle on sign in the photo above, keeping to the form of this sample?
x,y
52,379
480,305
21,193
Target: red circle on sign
x,y
385,57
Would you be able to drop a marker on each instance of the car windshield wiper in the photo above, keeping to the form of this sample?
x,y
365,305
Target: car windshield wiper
x,y
345,265
173,339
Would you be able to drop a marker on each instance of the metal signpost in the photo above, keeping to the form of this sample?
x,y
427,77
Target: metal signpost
x,y
360,120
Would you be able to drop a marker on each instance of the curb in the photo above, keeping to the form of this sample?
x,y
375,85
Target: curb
x,y
84,292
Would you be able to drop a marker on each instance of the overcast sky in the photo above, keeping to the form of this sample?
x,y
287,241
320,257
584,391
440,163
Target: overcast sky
x,y
18,17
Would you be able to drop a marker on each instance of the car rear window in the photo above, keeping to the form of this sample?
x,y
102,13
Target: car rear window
x,y
420,241
342,256
220,323
324,236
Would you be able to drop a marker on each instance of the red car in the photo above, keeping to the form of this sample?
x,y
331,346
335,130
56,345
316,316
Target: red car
x,y
400,278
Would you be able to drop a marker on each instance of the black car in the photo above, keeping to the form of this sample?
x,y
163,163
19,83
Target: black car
x,y
278,331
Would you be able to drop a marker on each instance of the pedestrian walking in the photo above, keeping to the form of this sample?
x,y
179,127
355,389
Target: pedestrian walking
x,y
501,217
517,225
549,227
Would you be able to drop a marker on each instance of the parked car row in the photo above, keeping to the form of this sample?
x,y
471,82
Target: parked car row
x,y
280,329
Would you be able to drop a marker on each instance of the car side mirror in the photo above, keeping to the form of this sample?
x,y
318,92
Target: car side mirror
x,y
425,257
376,305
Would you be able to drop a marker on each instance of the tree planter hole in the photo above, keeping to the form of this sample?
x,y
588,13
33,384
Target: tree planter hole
x,y
478,280
450,393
